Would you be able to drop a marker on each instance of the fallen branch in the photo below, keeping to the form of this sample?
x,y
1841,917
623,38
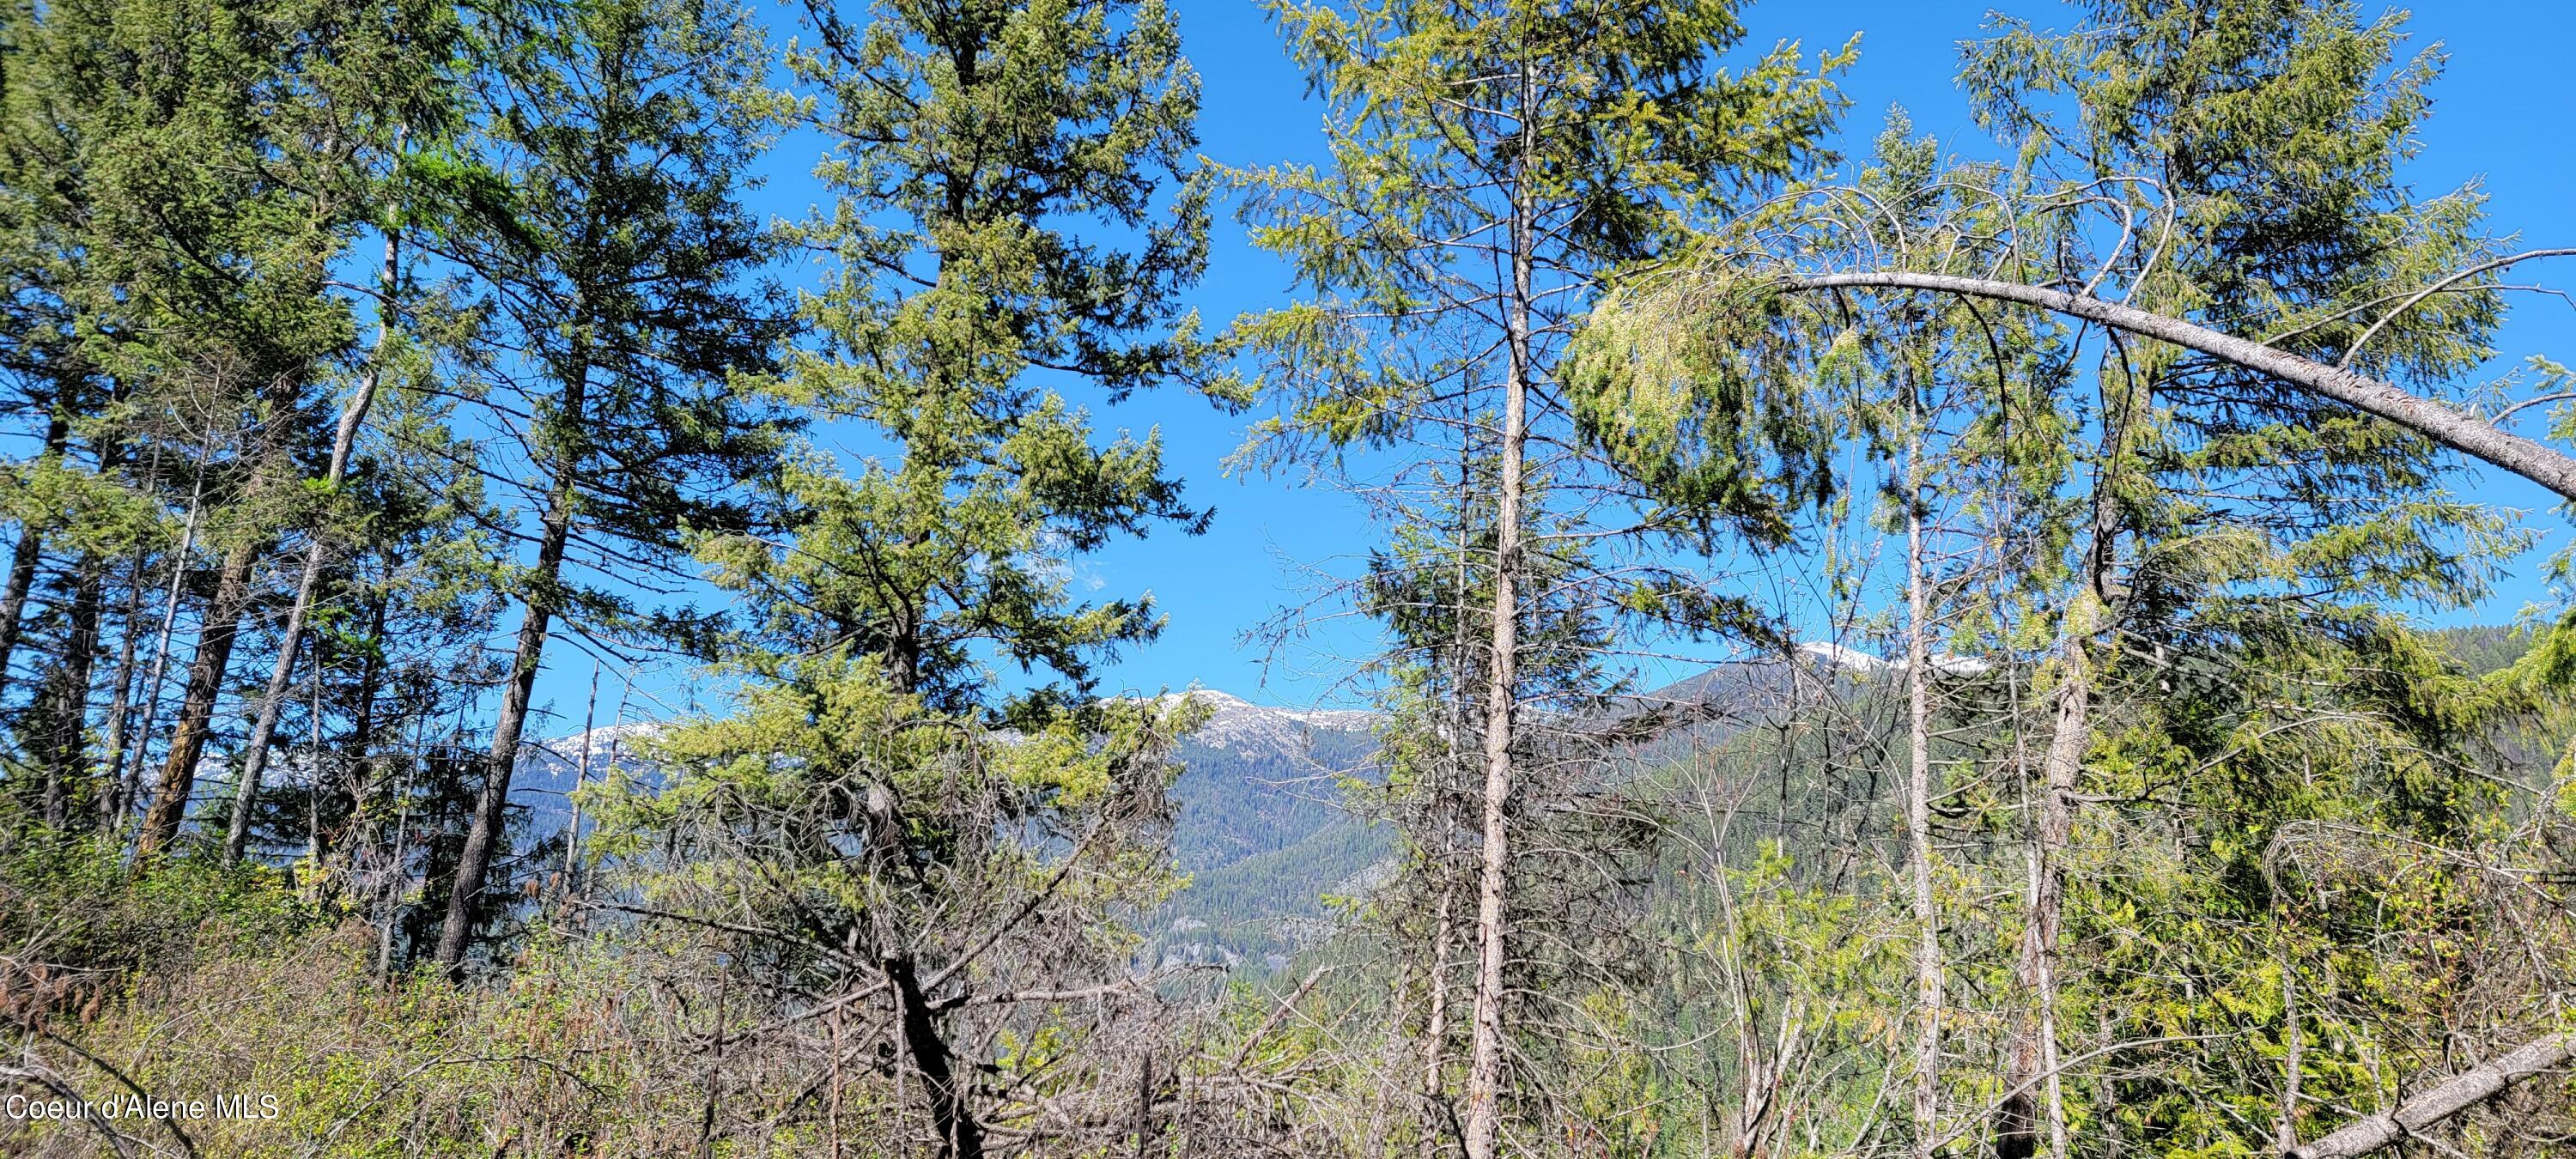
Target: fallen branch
x,y
2430,418
2425,1111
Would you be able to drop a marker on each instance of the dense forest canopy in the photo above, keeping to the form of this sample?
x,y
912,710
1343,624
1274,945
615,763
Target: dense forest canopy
x,y
1870,644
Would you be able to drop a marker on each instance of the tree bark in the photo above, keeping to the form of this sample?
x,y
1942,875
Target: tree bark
x,y
2443,424
580,777
344,440
67,766
1485,1058
2428,1110
120,707
130,782
215,637
2292,1045
2034,1049
398,854
951,1113
361,743
491,803
13,601
1918,804
22,560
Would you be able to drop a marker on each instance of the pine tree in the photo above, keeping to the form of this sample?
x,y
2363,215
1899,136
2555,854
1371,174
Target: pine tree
x,y
600,210
984,152
1491,162
2251,150
193,213
2274,131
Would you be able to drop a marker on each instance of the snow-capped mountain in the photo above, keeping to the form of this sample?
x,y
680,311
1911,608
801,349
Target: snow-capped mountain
x,y
1852,660
1238,725
548,768
560,758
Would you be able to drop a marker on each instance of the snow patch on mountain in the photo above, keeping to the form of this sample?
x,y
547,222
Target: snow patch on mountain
x,y
598,744
1852,660
1240,726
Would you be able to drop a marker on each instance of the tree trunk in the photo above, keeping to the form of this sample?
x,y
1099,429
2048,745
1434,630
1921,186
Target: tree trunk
x,y
951,1113
313,754
580,777
129,787
1485,1060
398,854
67,766
2292,1045
22,562
2034,1052
2425,1111
491,803
272,700
2034,1049
120,705
1918,807
1435,1029
362,732
215,637
13,601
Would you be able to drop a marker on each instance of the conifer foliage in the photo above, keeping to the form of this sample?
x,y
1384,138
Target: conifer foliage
x,y
1870,645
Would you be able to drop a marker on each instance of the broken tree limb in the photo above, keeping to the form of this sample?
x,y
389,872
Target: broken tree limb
x,y
2433,419
2425,1111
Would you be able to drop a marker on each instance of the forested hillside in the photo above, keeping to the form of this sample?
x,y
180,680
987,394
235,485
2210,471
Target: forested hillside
x,y
572,584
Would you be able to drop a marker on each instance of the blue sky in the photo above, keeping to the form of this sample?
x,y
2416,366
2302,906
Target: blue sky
x,y
2502,116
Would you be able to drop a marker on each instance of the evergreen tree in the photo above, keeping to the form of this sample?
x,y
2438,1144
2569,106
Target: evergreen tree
x,y
2180,472
1491,162
184,178
2273,131
985,152
600,210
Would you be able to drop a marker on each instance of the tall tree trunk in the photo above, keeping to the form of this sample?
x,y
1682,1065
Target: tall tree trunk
x,y
2034,1049
398,854
1485,1060
491,802
951,1114
78,663
344,440
313,755
120,704
224,611
363,781
2034,1053
1435,1028
1457,757
129,786
580,777
67,766
22,561
2292,1045
1918,804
